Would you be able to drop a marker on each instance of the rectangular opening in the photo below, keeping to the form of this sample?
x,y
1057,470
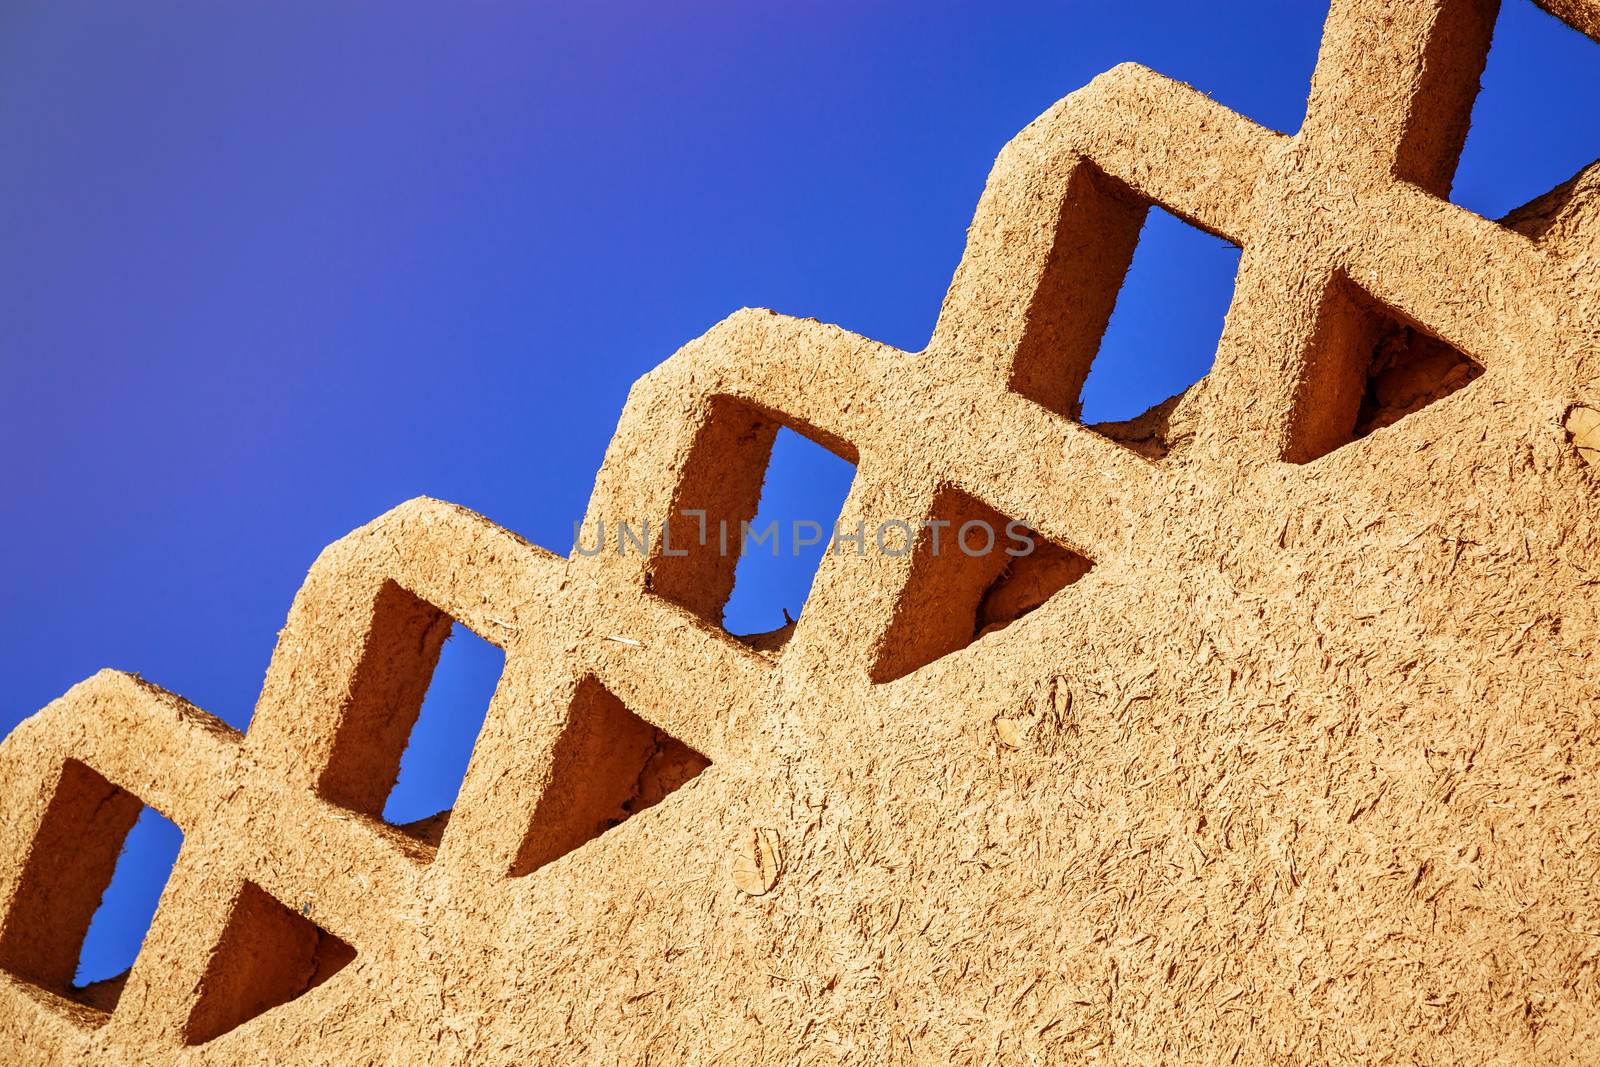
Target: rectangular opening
x,y
801,497
1162,336
974,572
435,760
1127,315
751,520
414,711
1536,119
119,925
89,889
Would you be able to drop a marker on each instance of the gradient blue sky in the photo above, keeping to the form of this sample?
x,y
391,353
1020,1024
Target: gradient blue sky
x,y
268,270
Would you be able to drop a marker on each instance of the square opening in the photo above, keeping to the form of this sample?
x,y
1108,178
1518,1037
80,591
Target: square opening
x,y
416,705
1127,316
89,889
608,765
974,571
268,954
1370,366
756,509
1536,119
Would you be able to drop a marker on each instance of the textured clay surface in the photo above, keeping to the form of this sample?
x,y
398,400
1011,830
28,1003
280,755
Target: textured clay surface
x,y
1285,750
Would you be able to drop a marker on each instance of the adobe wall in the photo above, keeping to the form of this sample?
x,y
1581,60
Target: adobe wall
x,y
1283,749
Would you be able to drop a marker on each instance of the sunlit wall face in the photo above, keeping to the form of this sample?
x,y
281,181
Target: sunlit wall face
x,y
268,270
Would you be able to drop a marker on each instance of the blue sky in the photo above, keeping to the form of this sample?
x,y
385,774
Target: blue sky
x,y
268,270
